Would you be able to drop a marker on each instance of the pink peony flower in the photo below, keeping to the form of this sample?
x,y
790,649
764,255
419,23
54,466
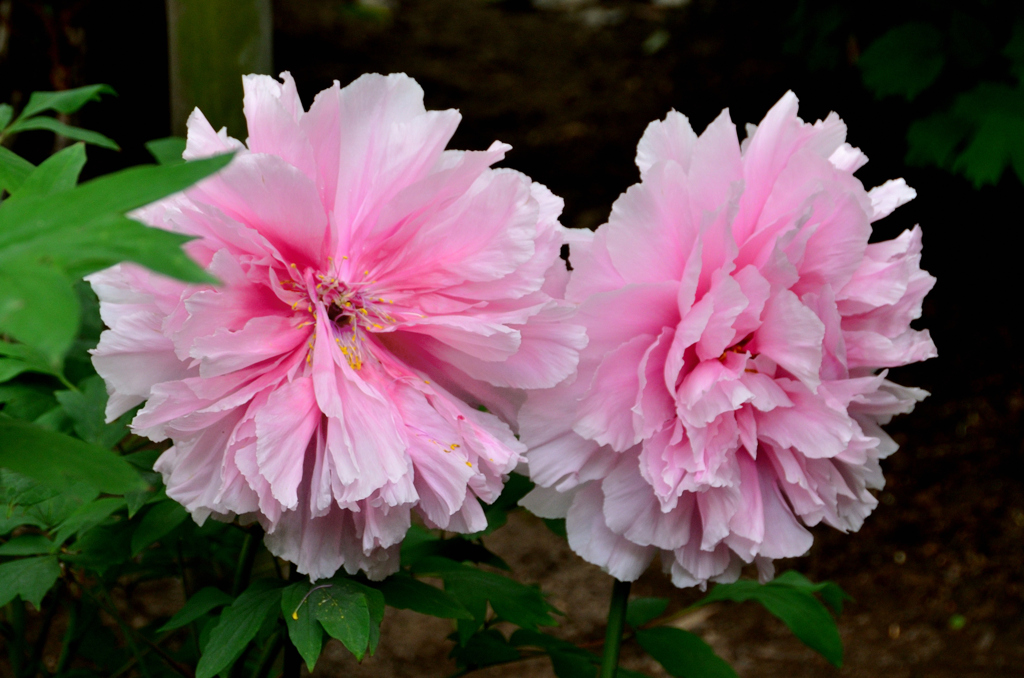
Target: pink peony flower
x,y
376,290
738,322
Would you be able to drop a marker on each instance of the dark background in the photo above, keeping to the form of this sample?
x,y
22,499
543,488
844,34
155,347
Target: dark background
x,y
572,88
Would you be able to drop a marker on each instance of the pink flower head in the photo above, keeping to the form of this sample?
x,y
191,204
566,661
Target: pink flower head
x,y
376,289
738,322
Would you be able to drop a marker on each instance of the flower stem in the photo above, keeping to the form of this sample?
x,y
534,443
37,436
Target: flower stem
x,y
613,632
243,570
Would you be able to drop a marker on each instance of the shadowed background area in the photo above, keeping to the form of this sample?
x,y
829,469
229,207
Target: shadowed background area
x,y
937,572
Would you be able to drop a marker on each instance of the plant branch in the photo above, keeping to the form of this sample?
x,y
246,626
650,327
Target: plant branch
x,y
613,632
270,654
243,571
44,631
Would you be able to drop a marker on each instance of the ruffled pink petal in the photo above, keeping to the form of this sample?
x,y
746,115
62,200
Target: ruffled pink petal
x,y
754,404
273,114
591,538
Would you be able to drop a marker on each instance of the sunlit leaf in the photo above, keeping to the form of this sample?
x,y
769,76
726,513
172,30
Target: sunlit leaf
x,y
86,406
63,129
167,151
38,307
13,170
58,460
64,101
56,174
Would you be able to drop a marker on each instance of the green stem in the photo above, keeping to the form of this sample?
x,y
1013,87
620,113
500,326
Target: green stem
x,y
107,603
44,631
269,656
613,632
245,560
66,649
16,648
292,659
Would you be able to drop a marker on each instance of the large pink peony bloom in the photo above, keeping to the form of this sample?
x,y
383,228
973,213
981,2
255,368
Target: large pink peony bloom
x,y
738,322
376,289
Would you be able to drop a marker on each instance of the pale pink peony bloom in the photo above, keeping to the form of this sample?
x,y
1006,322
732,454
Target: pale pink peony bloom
x,y
376,289
740,325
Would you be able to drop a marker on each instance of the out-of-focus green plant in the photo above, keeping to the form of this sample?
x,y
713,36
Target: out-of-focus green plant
x,y
978,131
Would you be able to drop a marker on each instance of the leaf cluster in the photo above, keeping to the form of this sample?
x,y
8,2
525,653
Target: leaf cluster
x,y
976,130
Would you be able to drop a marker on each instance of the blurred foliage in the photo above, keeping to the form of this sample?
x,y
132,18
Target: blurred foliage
x,y
958,66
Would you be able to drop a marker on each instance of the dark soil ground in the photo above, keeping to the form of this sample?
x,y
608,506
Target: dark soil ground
x,y
937,572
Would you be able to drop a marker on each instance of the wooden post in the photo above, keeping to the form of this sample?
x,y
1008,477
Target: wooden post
x,y
212,44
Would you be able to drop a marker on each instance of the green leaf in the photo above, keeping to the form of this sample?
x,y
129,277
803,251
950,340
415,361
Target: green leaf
x,y
238,625
522,605
798,609
457,549
29,578
84,230
829,590
27,545
628,673
12,367
1014,50
118,192
64,101
406,593
934,140
103,547
572,665
87,517
516,487
905,61
63,129
343,610
160,519
13,170
167,151
6,113
202,601
57,459
485,648
556,525
988,153
32,358
56,174
642,610
38,306
567,660
305,632
683,653
86,407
